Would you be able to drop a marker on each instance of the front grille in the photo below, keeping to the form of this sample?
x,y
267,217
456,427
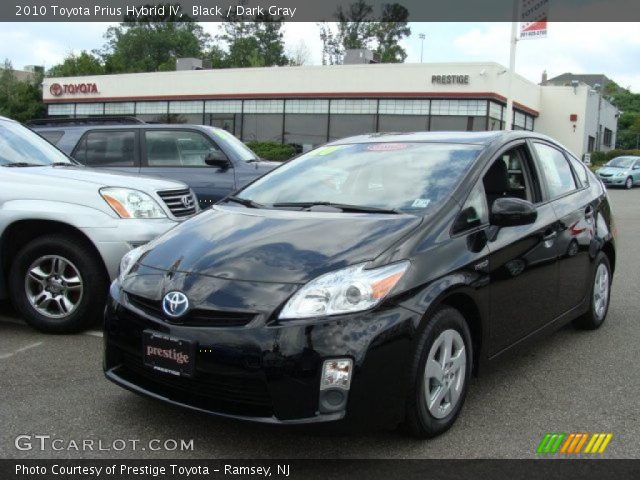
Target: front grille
x,y
181,203
236,395
605,175
197,317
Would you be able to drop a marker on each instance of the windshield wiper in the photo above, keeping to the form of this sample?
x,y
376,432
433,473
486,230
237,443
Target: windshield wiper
x,y
244,201
63,164
23,164
342,206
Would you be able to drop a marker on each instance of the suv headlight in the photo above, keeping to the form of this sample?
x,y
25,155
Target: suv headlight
x,y
129,203
349,290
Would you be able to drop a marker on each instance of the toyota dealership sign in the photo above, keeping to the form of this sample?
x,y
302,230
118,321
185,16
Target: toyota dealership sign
x,y
57,89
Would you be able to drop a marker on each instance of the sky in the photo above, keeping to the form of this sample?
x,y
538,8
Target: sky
x,y
609,48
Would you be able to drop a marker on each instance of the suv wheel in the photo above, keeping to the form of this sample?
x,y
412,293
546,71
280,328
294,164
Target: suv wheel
x,y
441,373
600,296
58,284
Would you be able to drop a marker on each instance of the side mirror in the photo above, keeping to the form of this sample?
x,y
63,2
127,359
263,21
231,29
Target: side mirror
x,y
636,167
216,158
510,212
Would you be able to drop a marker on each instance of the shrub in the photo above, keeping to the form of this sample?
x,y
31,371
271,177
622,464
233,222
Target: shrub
x,y
272,150
599,158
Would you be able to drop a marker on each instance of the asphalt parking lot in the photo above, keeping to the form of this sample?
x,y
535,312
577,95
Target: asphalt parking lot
x,y
573,382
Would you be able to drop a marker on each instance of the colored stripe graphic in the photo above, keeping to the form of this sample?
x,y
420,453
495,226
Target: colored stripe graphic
x,y
573,443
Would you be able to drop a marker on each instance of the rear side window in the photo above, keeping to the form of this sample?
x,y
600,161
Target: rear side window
x,y
52,136
178,148
107,149
555,170
581,171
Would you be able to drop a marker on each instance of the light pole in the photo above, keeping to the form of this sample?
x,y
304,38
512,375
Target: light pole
x,y
421,36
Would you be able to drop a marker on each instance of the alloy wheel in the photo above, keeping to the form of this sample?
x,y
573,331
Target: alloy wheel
x,y
444,374
601,291
628,183
54,286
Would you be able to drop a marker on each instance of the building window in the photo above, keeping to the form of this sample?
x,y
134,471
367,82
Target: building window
x,y
305,131
403,123
263,106
120,108
344,125
447,123
89,109
223,106
306,106
350,106
65,109
591,144
186,107
608,135
519,120
227,121
459,107
404,107
262,127
151,107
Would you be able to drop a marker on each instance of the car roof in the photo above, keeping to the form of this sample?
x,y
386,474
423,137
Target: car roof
x,y
149,126
472,138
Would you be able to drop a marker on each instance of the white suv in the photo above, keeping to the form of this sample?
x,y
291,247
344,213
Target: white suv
x,y
64,228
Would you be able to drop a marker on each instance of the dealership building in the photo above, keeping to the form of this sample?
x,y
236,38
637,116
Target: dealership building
x,y
310,105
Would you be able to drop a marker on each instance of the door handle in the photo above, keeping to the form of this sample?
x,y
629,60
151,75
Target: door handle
x,y
550,236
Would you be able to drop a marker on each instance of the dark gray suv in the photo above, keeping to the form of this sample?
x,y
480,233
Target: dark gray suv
x,y
210,160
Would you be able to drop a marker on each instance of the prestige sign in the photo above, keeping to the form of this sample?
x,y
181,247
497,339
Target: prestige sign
x,y
72,88
450,79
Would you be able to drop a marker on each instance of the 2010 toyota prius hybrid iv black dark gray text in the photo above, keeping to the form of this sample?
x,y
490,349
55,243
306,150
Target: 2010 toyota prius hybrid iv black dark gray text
x,y
367,278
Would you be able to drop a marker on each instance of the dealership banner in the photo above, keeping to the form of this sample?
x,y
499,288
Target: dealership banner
x,y
316,469
312,10
534,15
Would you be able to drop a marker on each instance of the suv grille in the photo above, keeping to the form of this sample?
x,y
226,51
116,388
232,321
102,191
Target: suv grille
x,y
182,203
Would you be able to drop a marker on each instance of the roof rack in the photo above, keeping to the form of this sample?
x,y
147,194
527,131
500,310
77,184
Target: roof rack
x,y
53,122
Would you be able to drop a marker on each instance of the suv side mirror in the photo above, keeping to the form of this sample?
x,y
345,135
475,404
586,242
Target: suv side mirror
x,y
216,158
510,212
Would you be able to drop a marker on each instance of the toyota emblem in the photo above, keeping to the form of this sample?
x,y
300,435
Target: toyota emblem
x,y
56,89
175,304
187,201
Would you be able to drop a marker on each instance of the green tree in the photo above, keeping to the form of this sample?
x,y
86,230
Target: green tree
x,y
20,100
392,28
153,43
83,64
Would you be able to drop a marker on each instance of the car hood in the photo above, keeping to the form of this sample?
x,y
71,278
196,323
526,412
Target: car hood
x,y
263,245
612,170
104,178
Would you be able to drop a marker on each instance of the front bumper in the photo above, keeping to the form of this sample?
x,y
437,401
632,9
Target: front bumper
x,y
270,373
120,236
613,180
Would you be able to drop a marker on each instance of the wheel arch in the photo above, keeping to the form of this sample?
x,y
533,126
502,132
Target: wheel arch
x,y
610,252
20,232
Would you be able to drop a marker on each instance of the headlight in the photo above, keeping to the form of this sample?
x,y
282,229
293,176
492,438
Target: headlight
x,y
621,174
129,260
352,289
129,203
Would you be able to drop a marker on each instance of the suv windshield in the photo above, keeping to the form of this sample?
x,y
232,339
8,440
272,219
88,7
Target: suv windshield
x,y
19,146
392,176
621,162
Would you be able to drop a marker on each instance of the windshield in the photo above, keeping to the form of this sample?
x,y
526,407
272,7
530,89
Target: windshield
x,y
244,153
20,146
622,162
409,177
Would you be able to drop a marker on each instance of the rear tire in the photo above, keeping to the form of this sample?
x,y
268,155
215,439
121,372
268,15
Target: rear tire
x,y
600,296
58,284
439,379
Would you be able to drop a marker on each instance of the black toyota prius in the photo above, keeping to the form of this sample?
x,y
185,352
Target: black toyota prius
x,y
368,278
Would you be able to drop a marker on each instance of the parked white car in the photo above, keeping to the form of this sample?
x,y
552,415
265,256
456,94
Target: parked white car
x,y
65,227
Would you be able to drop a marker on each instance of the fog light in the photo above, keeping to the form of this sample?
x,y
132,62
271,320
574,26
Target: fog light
x,y
336,373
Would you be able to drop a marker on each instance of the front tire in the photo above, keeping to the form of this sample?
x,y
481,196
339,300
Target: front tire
x,y
600,294
440,375
628,184
58,284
